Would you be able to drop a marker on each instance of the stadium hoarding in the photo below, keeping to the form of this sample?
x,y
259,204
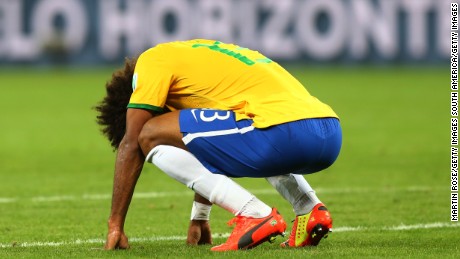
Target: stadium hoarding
x,y
343,31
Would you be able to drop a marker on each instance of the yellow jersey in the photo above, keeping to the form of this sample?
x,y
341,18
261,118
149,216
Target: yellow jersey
x,y
211,74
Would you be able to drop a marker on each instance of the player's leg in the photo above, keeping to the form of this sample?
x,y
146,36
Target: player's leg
x,y
323,137
219,189
160,140
296,190
313,221
224,192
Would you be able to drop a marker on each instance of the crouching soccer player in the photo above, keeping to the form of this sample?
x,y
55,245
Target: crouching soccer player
x,y
204,111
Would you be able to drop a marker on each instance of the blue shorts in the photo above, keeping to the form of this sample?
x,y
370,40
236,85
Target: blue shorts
x,y
237,149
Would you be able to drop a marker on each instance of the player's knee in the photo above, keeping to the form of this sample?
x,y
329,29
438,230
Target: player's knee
x,y
148,138
161,130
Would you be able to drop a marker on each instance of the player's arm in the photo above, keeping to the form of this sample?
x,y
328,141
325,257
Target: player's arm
x,y
128,167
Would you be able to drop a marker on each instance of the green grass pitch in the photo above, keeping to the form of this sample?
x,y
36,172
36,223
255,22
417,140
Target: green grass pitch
x,y
388,192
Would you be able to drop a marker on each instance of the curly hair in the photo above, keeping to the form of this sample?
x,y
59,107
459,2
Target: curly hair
x,y
112,109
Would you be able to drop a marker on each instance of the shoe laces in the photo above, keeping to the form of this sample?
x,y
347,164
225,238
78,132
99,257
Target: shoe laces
x,y
239,221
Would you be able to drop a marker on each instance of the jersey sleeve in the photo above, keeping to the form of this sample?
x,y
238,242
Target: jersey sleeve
x,y
151,82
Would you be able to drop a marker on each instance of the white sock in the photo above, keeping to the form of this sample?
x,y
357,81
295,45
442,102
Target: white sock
x,y
218,189
296,190
255,208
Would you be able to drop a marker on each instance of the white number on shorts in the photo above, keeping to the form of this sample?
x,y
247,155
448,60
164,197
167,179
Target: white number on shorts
x,y
216,116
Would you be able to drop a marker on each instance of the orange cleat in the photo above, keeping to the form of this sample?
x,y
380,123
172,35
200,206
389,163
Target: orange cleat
x,y
251,232
310,228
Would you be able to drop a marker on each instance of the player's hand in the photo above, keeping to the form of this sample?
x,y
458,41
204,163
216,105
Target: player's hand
x,y
199,233
116,239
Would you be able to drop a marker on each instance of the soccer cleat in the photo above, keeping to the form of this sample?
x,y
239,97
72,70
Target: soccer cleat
x,y
251,232
310,228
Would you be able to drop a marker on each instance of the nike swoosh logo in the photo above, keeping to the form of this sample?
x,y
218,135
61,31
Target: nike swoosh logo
x,y
246,239
194,115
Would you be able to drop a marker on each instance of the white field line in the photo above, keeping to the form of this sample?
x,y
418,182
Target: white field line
x,y
149,195
99,241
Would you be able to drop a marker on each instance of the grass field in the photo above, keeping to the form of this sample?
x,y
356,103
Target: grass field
x,y
388,192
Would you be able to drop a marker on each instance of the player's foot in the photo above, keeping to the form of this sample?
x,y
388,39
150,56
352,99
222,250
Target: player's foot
x,y
310,228
251,232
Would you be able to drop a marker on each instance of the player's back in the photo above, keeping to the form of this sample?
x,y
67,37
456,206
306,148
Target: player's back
x,y
211,74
